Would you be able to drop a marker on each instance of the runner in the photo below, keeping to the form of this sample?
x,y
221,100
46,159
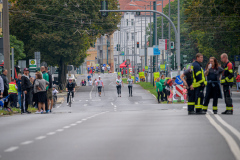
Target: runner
x,y
119,84
70,88
99,84
130,82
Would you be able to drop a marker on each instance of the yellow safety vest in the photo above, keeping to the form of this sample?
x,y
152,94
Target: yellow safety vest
x,y
12,88
195,82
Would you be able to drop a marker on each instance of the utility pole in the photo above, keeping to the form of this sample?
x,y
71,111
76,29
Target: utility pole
x,y
169,35
178,43
118,50
146,44
162,36
134,48
13,63
6,41
151,25
154,34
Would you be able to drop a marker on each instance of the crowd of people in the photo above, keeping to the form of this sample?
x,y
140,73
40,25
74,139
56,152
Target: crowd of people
x,y
37,91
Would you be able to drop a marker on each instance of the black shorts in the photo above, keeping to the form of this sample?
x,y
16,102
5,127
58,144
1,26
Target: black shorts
x,y
168,92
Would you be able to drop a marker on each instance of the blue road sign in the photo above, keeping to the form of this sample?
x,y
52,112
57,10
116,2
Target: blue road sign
x,y
178,80
237,58
104,65
156,51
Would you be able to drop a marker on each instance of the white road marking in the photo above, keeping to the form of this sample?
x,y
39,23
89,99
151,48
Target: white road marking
x,y
66,127
231,143
60,130
136,102
79,122
51,133
85,105
84,119
231,128
80,100
115,106
111,103
11,149
26,142
40,137
90,94
86,100
73,124
184,107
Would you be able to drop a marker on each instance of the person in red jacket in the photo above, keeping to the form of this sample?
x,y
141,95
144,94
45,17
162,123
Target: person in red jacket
x,y
169,85
238,82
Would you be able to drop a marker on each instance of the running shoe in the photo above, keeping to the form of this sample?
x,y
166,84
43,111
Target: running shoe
x,y
38,112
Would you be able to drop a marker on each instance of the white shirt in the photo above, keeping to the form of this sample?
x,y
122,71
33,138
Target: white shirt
x,y
130,81
119,81
89,83
54,92
99,82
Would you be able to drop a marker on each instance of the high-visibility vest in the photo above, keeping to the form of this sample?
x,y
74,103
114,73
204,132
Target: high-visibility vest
x,y
195,82
12,88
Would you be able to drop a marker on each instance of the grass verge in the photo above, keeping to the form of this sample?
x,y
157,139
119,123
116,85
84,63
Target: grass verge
x,y
16,111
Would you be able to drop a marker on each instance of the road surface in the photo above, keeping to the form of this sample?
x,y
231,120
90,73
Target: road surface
x,y
121,128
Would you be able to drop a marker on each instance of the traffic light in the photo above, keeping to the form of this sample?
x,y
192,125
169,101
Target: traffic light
x,y
172,45
104,6
137,44
138,13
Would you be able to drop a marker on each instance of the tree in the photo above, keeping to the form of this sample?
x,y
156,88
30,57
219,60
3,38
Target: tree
x,y
61,30
18,48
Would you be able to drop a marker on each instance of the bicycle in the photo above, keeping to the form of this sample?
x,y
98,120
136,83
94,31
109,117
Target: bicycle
x,y
2,104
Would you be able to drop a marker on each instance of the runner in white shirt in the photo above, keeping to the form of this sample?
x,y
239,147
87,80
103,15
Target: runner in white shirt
x,y
99,84
119,84
90,82
130,82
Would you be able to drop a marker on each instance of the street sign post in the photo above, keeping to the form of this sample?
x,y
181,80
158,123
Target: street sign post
x,y
162,44
156,51
178,80
32,63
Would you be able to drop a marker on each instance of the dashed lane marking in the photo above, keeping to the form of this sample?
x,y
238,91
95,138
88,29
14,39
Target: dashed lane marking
x,y
26,142
90,94
60,130
84,119
73,124
40,137
230,141
86,100
85,105
111,103
66,127
79,122
51,133
11,149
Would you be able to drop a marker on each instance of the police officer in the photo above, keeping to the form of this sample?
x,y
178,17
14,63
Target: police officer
x,y
188,83
227,82
213,72
198,82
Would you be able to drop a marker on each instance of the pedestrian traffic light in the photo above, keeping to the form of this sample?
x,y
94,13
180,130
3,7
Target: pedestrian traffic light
x,y
172,45
104,6
138,13
137,44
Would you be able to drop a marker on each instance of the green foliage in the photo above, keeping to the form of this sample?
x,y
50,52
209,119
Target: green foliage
x,y
18,48
61,30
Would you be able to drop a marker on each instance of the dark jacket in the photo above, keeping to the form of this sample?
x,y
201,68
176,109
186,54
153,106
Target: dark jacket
x,y
26,84
50,80
5,82
198,75
227,78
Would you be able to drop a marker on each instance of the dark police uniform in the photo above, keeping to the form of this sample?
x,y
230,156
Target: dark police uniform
x,y
213,88
198,85
227,82
191,99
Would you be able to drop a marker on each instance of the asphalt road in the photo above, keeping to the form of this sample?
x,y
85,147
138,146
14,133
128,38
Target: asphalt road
x,y
121,128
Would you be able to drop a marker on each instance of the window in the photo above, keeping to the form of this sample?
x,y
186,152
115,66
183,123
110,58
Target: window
x,y
132,22
127,37
127,22
132,36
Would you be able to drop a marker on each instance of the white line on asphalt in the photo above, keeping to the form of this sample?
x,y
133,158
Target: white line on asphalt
x,y
79,122
85,105
80,100
59,106
11,149
51,133
66,127
26,142
40,137
115,106
60,130
73,124
111,103
231,143
86,100
184,107
90,94
231,128
84,119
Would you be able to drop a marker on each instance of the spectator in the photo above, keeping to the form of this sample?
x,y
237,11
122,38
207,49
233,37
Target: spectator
x,y
40,87
185,94
46,77
82,83
238,82
122,73
25,85
170,98
35,96
90,82
1,87
18,82
49,91
162,80
6,86
85,83
169,85
159,89
13,92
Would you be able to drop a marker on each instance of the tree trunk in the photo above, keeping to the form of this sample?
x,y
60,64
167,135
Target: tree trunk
x,y
62,74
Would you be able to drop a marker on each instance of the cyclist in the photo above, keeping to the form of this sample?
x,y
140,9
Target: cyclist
x,y
119,84
70,88
130,82
99,84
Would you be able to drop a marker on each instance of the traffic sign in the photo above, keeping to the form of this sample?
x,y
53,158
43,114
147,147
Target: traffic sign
x,y
146,68
156,51
237,58
162,44
32,63
178,80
